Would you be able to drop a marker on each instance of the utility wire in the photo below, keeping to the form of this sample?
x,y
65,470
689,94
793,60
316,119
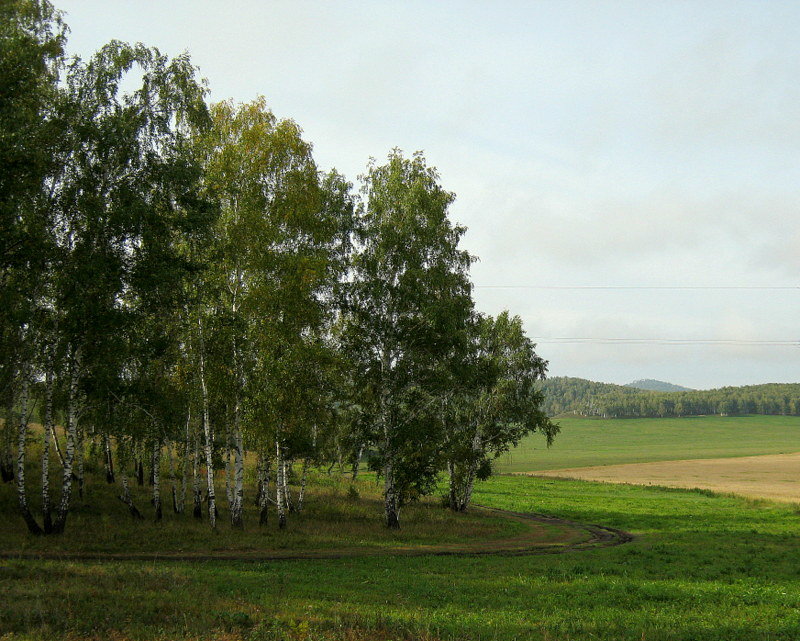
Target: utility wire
x,y
664,341
623,287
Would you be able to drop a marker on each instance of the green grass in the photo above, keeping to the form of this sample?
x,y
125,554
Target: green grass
x,y
702,568
330,521
585,442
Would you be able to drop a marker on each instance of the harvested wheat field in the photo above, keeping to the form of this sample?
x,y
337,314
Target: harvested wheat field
x,y
773,476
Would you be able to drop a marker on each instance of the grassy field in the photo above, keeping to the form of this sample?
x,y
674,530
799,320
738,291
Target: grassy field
x,y
702,568
588,442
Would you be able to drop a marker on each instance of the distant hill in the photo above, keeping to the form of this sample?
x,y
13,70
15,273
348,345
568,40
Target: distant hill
x,y
567,395
652,385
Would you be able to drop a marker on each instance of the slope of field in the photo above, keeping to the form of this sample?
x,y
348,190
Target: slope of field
x,y
592,442
771,476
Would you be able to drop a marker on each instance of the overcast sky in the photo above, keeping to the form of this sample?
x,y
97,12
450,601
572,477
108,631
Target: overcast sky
x,y
589,144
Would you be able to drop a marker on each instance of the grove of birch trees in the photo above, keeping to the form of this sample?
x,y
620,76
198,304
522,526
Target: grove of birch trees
x,y
180,282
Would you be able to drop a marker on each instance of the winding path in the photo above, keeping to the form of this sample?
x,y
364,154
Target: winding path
x,y
576,537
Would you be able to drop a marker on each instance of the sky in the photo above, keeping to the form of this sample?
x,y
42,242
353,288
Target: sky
x,y
638,146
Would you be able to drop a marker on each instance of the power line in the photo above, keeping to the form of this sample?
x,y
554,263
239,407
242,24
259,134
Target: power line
x,y
664,341
657,287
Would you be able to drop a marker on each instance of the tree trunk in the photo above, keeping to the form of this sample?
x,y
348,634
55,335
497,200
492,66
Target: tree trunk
x,y
173,478
109,461
157,479
228,469
197,493
302,493
264,492
138,461
391,508
185,467
125,497
237,510
453,495
79,459
56,444
209,444
288,470
47,432
69,456
22,437
357,462
280,482
7,440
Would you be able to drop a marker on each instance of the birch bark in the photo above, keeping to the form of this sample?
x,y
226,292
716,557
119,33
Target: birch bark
x,y
69,455
47,432
280,480
391,508
157,478
109,461
22,437
209,439
302,493
197,493
264,495
7,440
238,484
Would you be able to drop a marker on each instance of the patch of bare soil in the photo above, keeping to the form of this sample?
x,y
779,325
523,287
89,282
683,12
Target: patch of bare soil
x,y
774,477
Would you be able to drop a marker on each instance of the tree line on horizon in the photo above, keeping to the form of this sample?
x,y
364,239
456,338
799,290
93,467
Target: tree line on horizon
x,y
565,395
180,282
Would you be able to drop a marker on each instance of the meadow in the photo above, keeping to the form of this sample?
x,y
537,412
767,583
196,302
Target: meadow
x,y
702,567
587,442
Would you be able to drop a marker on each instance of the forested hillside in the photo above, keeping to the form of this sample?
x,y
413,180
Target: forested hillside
x,y
565,394
653,385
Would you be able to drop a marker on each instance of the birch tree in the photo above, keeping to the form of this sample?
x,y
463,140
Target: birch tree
x,y
410,299
495,403
276,262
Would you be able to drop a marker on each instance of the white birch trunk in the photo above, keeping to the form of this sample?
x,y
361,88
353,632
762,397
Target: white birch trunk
x,y
357,462
280,490
109,460
263,498
157,479
69,454
173,479
79,458
47,433
197,494
22,437
125,497
391,508
228,469
301,495
185,466
288,467
237,511
209,443
56,444
7,440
